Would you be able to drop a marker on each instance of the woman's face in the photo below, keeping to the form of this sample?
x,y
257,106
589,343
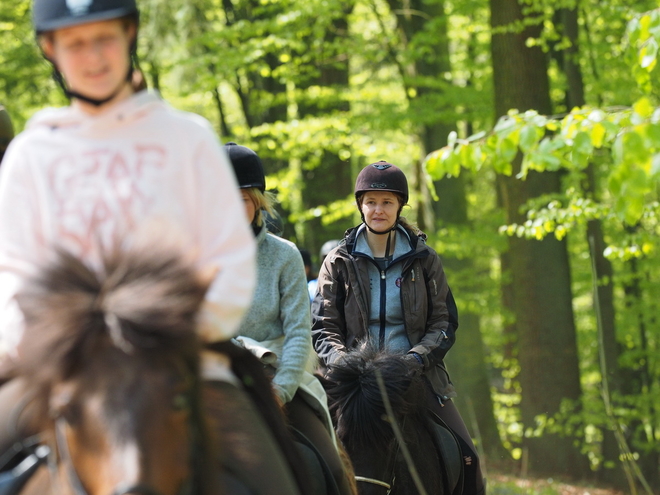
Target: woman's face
x,y
93,57
380,209
250,209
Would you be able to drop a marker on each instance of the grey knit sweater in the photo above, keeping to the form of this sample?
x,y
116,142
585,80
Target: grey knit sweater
x,y
280,306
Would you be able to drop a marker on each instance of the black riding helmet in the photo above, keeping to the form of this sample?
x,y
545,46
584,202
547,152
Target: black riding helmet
x,y
381,176
49,15
6,130
247,165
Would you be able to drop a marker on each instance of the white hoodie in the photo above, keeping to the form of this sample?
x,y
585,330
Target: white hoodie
x,y
84,183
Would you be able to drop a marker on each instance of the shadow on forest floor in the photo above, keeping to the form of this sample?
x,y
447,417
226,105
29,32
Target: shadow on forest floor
x,y
499,484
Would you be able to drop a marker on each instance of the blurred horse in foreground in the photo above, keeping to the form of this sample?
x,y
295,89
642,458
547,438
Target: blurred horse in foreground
x,y
116,401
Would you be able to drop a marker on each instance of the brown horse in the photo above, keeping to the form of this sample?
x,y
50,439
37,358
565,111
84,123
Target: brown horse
x,y
112,363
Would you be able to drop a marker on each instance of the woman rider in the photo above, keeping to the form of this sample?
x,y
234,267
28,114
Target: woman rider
x,y
104,169
385,285
278,322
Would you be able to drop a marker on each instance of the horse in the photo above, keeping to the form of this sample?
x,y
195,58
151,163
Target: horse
x,y
112,363
379,406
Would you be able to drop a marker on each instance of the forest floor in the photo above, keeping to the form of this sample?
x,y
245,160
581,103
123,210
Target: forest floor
x,y
499,484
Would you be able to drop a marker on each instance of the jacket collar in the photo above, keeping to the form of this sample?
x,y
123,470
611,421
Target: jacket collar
x,y
402,247
260,233
351,235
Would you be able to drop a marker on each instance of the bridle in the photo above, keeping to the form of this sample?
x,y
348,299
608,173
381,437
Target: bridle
x,y
76,484
391,468
72,475
373,481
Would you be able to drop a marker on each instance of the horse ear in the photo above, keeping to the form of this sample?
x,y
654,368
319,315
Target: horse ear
x,y
205,276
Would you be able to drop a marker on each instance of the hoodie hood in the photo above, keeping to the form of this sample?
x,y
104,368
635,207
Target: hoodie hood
x,y
72,119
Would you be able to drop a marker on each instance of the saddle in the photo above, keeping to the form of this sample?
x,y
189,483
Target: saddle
x,y
19,464
319,469
449,451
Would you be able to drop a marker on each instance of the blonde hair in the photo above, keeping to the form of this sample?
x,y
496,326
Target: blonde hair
x,y
261,201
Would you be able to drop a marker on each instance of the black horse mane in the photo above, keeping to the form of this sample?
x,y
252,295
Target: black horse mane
x,y
356,401
145,301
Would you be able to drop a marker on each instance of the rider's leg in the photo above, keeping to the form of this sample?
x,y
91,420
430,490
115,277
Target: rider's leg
x,y
304,419
13,427
246,447
448,412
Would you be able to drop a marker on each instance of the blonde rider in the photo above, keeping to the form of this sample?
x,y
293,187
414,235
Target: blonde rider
x,y
277,325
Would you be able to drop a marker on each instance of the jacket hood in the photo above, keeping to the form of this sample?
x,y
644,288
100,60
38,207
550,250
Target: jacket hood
x,y
73,119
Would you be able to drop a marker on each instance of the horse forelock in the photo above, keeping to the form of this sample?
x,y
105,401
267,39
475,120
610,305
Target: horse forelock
x,y
153,300
356,399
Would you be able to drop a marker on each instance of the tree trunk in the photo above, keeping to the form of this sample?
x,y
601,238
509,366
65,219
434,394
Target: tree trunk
x,y
540,272
467,358
332,178
611,471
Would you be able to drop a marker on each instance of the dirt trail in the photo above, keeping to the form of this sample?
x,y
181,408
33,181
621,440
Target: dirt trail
x,y
539,485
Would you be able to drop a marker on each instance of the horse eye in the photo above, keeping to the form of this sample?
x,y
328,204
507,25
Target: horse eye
x,y
180,402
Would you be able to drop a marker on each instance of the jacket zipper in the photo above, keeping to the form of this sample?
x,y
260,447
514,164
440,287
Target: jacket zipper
x,y
383,299
352,256
383,291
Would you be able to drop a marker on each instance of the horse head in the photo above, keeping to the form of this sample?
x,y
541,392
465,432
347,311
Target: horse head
x,y
113,360
372,394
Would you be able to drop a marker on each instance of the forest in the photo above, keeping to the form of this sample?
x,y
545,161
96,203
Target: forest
x,y
531,129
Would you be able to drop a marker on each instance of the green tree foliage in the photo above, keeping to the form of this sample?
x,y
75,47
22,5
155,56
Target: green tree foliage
x,y
320,88
24,75
623,143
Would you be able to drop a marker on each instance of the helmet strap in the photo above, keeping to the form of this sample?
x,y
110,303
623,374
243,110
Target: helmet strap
x,y
396,222
97,102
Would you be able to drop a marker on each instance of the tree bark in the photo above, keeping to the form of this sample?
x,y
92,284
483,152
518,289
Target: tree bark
x,y
611,472
467,358
332,178
540,271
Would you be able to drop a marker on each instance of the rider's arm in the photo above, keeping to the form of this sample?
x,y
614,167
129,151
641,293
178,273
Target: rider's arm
x,y
328,319
20,242
294,313
442,317
226,242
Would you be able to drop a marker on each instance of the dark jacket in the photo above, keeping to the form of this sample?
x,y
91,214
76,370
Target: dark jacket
x,y
340,310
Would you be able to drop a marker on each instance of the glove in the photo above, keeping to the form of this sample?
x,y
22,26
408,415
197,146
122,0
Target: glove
x,y
414,362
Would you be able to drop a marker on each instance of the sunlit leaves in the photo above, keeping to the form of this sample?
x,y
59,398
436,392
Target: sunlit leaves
x,y
643,35
630,136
